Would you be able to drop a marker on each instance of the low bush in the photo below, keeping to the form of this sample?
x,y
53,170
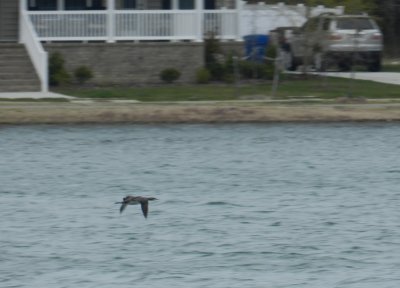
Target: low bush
x,y
170,75
83,74
203,76
217,71
58,75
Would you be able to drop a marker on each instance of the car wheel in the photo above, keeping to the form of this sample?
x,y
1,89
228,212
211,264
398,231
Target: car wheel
x,y
375,64
344,66
293,63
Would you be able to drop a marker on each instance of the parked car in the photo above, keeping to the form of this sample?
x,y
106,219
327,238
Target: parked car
x,y
342,40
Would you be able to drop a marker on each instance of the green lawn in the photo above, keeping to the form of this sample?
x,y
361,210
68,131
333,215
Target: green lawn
x,y
290,86
391,68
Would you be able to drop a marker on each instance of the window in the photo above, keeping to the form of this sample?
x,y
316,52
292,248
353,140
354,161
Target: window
x,y
166,4
325,24
209,4
186,4
129,4
42,5
75,4
98,5
354,24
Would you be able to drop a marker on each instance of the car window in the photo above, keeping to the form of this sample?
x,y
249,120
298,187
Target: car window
x,y
325,24
354,24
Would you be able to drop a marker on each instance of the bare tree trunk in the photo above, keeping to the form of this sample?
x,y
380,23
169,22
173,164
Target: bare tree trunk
x,y
389,14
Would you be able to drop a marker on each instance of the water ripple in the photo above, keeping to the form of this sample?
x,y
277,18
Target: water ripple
x,y
277,205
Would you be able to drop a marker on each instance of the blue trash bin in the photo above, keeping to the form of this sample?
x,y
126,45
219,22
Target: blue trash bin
x,y
255,46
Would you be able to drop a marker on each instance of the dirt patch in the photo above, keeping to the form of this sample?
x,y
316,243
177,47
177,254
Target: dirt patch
x,y
100,112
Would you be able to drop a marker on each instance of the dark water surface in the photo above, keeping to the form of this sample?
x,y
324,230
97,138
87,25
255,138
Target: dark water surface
x,y
278,205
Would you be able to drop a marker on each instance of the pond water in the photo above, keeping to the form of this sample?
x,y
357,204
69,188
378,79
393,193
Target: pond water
x,y
244,205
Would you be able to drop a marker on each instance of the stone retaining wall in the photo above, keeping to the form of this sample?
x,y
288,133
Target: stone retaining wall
x,y
131,63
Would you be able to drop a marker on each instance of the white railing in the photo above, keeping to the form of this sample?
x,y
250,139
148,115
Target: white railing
x,y
155,25
117,25
67,25
221,23
36,52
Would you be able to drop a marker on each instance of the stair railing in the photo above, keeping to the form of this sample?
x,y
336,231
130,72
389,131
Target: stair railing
x,y
35,49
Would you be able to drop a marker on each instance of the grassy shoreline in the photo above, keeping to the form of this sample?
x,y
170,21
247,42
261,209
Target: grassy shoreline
x,y
298,100
110,112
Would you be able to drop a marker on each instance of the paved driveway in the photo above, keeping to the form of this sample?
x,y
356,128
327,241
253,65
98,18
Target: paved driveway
x,y
383,77
32,95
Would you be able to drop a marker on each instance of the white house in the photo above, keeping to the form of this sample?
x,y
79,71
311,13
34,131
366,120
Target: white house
x,y
34,22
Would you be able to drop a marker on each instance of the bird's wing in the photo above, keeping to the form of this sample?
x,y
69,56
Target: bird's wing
x,y
123,206
145,207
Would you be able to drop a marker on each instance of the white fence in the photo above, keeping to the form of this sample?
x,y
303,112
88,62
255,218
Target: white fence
x,y
133,25
262,18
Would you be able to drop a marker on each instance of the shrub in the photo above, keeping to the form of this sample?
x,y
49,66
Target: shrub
x,y
247,69
170,75
252,69
57,73
259,70
230,63
217,71
268,71
214,58
83,74
211,49
229,78
203,76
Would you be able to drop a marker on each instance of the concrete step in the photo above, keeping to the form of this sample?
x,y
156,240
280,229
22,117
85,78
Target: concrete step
x,y
19,85
21,88
15,69
13,57
17,73
23,75
11,51
10,45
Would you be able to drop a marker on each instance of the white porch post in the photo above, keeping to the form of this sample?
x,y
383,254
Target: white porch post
x,y
60,4
110,21
23,7
238,7
200,20
176,24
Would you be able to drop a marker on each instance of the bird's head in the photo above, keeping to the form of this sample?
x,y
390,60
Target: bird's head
x,y
152,198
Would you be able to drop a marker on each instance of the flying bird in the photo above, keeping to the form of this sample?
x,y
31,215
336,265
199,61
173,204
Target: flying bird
x,y
132,200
